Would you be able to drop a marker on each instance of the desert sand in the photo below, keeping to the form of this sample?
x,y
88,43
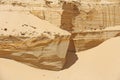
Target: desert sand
x,y
27,23
99,63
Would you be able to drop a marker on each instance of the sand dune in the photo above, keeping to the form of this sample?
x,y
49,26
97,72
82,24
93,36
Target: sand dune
x,y
99,63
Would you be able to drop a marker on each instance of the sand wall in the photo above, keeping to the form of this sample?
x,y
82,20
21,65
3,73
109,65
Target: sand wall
x,y
87,40
84,16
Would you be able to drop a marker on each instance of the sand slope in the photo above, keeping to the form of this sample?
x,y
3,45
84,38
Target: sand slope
x,y
100,63
24,22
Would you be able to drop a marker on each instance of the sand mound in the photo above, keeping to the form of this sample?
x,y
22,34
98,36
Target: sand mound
x,y
100,63
14,23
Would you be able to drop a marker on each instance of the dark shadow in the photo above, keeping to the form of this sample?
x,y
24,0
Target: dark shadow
x,y
71,57
117,35
70,11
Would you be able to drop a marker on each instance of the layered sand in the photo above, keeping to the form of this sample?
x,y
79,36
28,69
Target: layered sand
x,y
99,63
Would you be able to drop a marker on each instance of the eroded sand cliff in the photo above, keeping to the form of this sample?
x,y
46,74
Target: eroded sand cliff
x,y
26,38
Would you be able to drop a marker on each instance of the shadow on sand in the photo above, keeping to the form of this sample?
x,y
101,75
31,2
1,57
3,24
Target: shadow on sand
x,y
71,57
70,11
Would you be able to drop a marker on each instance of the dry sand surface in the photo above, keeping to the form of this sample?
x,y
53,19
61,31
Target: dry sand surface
x,y
99,63
27,23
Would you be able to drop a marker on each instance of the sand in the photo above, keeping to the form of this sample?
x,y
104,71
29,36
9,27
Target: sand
x,y
99,63
15,22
